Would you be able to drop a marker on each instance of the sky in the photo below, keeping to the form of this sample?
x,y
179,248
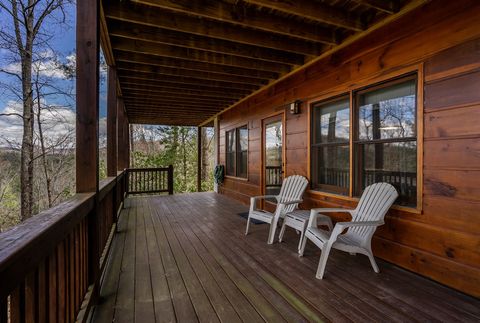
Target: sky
x,y
62,44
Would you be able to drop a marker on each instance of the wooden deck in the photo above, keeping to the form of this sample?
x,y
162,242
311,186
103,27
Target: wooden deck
x,y
185,258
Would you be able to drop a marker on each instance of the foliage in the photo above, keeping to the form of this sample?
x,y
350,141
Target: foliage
x,y
160,146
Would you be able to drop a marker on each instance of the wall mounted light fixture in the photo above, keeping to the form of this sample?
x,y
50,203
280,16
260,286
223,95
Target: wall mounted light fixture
x,y
295,107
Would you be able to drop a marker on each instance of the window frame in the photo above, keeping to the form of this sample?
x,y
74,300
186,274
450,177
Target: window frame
x,y
314,146
417,71
357,143
237,152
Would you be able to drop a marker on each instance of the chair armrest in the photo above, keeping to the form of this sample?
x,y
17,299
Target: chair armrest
x,y
291,202
314,214
260,197
331,210
345,225
254,199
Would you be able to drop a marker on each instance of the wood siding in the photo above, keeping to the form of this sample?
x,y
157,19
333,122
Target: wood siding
x,y
442,38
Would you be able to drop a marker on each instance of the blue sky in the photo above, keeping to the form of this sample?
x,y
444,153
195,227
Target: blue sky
x,y
63,44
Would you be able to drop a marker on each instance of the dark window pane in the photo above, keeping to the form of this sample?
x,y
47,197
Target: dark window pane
x,y
388,112
332,169
242,164
243,139
394,163
230,152
332,122
230,164
230,141
242,153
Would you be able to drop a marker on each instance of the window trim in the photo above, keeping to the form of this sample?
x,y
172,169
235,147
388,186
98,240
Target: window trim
x,y
362,84
332,188
236,130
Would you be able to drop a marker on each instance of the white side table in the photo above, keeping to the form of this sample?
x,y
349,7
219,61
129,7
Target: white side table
x,y
298,219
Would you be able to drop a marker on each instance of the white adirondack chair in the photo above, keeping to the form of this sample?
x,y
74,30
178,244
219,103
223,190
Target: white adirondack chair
x,y
290,195
369,214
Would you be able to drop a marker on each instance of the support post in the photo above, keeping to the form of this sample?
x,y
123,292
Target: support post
x,y
216,141
87,86
199,159
112,123
121,136
170,179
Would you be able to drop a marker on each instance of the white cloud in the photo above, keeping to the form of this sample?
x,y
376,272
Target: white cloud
x,y
47,64
57,123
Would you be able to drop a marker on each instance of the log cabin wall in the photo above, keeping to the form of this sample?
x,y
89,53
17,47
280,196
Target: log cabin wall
x,y
440,240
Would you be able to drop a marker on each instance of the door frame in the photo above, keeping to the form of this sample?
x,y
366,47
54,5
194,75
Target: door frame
x,y
281,116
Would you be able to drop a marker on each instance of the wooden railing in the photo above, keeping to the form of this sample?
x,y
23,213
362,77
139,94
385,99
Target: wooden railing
x,y
150,180
50,264
273,176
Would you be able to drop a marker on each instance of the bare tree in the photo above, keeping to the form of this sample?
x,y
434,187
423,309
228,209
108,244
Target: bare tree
x,y
25,38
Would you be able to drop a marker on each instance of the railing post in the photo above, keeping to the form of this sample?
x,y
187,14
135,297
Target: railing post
x,y
170,179
127,181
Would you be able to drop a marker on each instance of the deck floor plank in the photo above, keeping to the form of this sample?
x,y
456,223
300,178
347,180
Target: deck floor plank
x,y
144,305
162,302
185,258
198,296
221,304
125,301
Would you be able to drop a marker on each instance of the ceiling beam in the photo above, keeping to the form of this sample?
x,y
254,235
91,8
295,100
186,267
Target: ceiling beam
x,y
141,14
161,70
240,14
174,91
174,102
387,6
175,38
149,48
187,80
315,11
190,65
160,84
132,95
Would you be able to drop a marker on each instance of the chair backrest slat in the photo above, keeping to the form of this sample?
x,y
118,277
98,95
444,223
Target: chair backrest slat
x,y
373,205
292,189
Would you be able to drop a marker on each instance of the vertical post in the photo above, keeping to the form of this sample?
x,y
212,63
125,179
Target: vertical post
x,y
216,142
88,47
112,123
120,135
170,179
112,135
199,159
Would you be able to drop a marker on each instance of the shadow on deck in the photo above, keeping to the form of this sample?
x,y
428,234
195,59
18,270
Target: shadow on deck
x,y
185,258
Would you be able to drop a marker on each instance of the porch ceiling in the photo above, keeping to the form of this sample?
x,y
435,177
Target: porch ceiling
x,y
182,62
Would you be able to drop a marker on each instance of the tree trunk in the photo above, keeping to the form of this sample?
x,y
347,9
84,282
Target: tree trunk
x,y
26,171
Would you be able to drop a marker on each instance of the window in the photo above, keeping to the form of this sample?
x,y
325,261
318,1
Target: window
x,y
384,137
231,149
386,142
330,149
237,152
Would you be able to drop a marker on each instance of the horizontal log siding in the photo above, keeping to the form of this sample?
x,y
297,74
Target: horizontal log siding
x,y
443,242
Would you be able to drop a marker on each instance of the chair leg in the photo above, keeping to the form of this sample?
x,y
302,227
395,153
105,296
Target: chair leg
x,y
373,262
248,226
271,234
302,248
323,260
282,231
302,236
